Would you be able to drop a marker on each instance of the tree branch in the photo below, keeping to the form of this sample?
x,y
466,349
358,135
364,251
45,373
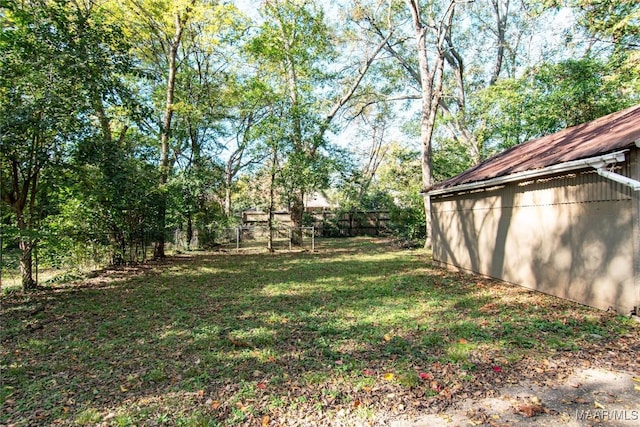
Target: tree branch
x,y
349,93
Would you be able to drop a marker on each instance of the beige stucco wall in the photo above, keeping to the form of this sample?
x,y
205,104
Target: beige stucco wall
x,y
573,236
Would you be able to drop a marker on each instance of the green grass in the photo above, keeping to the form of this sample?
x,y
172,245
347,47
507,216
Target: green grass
x,y
226,339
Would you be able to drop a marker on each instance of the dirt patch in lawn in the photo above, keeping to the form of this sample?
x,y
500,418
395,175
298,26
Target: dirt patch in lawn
x,y
587,397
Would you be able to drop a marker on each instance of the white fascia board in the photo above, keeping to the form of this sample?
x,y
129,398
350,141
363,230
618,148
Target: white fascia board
x,y
597,162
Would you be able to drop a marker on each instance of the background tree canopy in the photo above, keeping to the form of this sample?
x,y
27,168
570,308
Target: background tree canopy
x,y
124,121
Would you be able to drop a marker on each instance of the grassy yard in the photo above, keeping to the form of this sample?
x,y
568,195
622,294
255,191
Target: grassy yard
x,y
357,333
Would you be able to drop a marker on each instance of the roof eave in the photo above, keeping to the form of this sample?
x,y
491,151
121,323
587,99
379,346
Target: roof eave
x,y
596,162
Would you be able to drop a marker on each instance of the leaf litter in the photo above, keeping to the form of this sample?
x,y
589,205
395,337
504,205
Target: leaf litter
x,y
145,347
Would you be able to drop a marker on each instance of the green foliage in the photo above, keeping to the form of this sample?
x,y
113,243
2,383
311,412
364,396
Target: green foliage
x,y
293,49
450,157
554,95
194,202
61,64
573,92
547,99
396,187
294,52
617,19
83,88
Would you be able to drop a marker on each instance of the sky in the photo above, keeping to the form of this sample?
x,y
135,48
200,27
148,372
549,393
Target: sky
x,y
250,7
354,136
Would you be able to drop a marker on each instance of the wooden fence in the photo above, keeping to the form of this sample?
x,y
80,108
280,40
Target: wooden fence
x,y
329,223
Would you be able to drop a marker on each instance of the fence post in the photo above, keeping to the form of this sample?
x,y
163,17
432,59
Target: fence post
x,y
313,238
237,239
290,237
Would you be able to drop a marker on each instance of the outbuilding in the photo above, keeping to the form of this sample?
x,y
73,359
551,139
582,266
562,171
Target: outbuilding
x,y
558,214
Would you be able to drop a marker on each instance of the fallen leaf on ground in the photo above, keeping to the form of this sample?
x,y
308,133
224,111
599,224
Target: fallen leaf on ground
x,y
530,410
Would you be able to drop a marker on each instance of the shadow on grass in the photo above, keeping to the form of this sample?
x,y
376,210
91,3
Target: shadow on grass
x,y
229,339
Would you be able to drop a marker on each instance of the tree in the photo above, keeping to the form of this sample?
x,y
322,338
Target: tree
x,y
612,22
357,189
210,91
250,113
113,184
432,31
52,57
394,186
547,99
296,50
399,176
172,41
612,34
422,65
535,97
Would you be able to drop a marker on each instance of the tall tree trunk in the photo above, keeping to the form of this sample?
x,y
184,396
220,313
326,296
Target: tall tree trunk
x,y
297,215
26,264
165,165
272,195
189,229
457,124
271,204
308,146
22,199
227,201
228,178
26,255
297,201
117,238
431,85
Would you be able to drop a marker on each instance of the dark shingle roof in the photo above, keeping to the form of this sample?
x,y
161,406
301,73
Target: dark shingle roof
x,y
601,136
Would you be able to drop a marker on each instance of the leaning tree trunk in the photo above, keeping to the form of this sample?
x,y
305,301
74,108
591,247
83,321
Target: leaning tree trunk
x,y
227,200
